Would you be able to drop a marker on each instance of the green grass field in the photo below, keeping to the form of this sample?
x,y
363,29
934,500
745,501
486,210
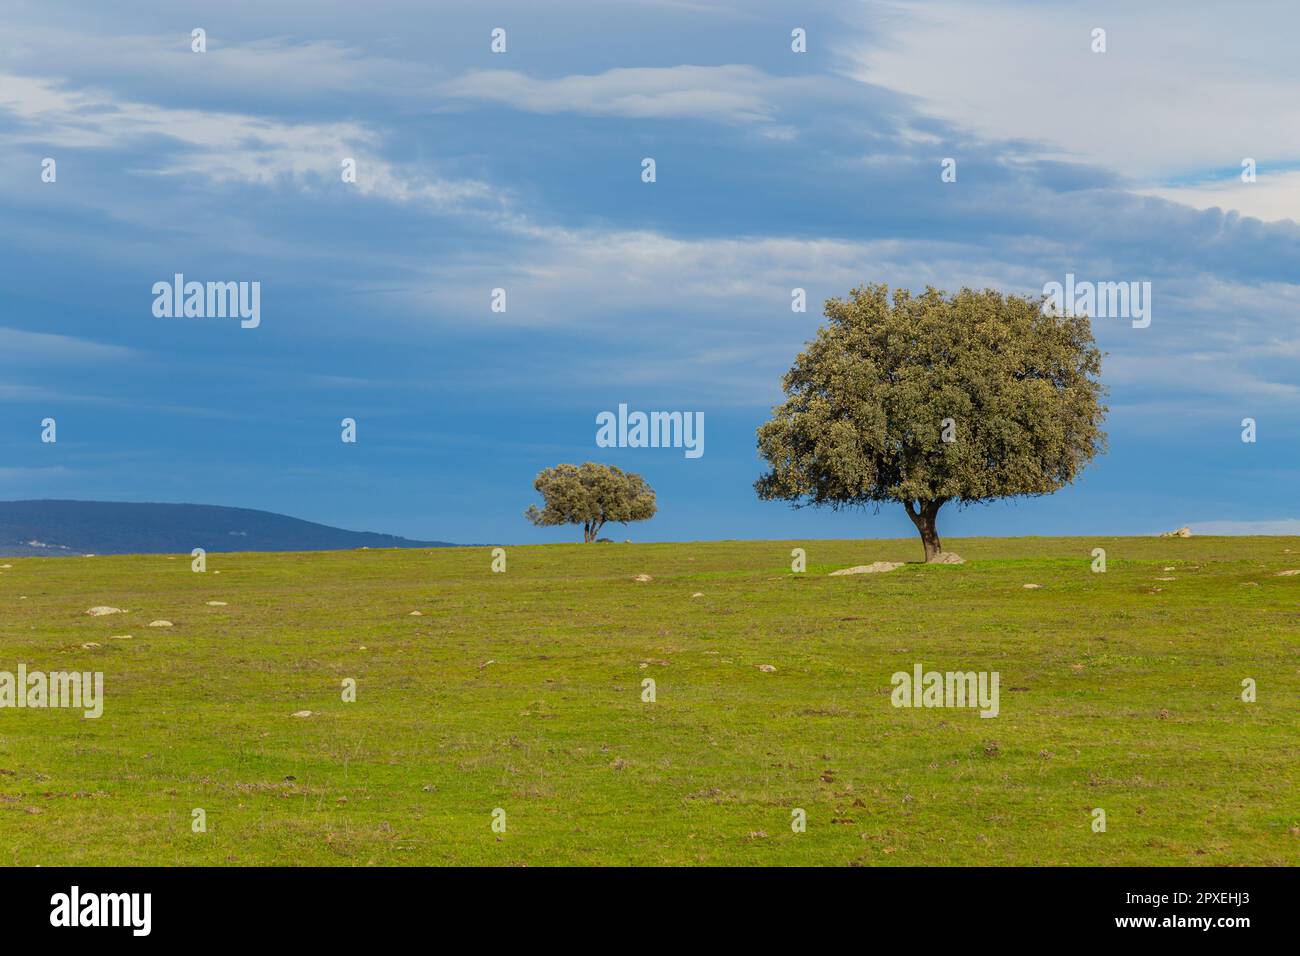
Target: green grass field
x,y
523,691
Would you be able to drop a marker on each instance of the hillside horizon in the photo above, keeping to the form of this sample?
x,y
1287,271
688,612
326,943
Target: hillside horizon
x,y
67,527
58,527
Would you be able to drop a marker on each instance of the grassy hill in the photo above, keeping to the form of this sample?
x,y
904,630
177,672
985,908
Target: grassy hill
x,y
522,691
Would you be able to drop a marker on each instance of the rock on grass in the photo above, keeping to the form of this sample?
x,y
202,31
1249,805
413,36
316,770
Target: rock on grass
x,y
876,567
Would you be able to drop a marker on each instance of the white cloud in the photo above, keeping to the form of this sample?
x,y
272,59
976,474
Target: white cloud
x,y
220,146
268,68
1220,373
738,94
1271,196
568,277
1219,341
1175,94
45,348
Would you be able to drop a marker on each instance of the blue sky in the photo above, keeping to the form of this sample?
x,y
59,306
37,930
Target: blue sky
x,y
522,171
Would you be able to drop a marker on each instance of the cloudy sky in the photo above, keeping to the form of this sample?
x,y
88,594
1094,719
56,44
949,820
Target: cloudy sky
x,y
522,170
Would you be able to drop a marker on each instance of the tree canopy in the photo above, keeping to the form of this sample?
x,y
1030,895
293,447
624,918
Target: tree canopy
x,y
591,495
931,398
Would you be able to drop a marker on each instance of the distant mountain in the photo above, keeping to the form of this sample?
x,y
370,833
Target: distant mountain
x,y
109,527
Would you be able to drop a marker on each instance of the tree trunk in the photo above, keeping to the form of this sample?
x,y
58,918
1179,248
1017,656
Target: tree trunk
x,y
923,515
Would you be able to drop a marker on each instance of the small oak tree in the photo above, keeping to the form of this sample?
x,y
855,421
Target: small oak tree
x,y
934,398
591,495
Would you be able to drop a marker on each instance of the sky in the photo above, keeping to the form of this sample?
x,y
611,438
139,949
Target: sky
x,y
522,170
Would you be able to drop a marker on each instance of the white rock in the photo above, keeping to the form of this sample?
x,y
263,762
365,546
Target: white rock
x,y
874,568
216,603
416,614
120,637
302,713
100,610
767,668
1287,574
643,578
1030,587
160,623
88,645
1183,532
948,557
698,594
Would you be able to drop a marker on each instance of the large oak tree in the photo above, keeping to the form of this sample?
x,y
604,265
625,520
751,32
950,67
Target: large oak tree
x,y
590,495
934,398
